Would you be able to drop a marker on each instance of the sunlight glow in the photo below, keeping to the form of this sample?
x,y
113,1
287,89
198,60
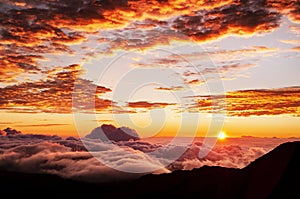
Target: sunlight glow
x,y
222,135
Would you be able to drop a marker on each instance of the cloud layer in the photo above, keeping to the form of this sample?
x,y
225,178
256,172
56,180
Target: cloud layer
x,y
54,94
69,158
253,102
31,29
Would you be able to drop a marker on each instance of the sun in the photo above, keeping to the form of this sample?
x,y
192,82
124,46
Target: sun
x,y
222,135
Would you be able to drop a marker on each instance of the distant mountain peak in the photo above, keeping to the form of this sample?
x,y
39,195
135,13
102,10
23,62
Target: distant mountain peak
x,y
109,132
10,131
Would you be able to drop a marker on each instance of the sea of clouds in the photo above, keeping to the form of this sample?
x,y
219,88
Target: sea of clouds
x,y
106,161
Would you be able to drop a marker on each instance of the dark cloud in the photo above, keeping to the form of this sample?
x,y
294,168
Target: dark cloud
x,y
244,103
30,29
26,36
246,17
201,24
291,8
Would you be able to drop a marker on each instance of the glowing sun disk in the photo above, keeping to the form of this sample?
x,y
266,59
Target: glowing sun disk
x,y
222,135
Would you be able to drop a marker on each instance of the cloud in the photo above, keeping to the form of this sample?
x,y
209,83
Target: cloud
x,y
195,81
233,56
148,105
172,88
14,64
290,8
233,68
8,123
245,17
191,22
228,64
230,156
31,30
290,41
54,94
68,157
40,125
296,48
257,102
25,38
46,157
201,25
295,29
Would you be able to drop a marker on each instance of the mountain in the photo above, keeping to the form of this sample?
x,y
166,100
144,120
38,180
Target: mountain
x,y
10,132
110,132
274,175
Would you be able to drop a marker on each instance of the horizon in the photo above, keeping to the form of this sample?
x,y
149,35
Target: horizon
x,y
168,137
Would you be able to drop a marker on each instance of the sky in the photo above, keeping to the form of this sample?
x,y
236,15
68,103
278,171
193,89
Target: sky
x,y
161,67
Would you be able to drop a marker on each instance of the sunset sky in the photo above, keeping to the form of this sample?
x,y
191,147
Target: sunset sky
x,y
162,67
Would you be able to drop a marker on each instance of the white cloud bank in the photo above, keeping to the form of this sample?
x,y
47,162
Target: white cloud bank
x,y
67,157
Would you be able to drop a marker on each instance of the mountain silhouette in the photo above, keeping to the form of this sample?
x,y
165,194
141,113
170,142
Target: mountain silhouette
x,y
274,175
109,132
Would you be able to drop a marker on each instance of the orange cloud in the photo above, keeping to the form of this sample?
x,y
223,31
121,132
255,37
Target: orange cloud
x,y
258,102
148,105
195,81
290,41
200,25
31,29
53,95
295,29
246,17
291,8
173,88
296,48
40,125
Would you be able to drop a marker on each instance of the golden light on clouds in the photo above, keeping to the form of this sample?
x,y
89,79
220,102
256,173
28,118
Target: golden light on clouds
x,y
43,44
245,103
